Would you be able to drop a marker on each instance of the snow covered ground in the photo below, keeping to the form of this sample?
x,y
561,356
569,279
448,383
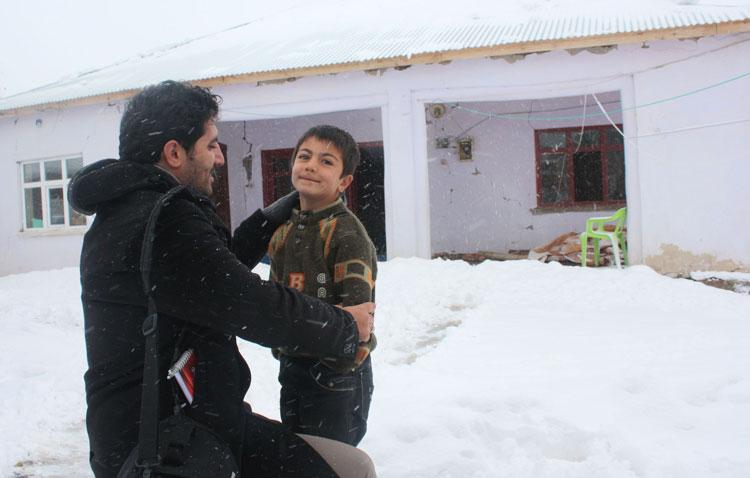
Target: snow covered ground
x,y
515,369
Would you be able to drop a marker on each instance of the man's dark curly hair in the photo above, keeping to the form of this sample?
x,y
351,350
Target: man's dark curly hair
x,y
163,112
340,138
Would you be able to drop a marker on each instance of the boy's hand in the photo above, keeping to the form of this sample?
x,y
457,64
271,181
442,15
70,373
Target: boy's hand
x,y
365,349
280,210
347,366
364,316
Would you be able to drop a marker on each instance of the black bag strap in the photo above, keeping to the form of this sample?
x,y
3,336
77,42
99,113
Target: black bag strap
x,y
148,435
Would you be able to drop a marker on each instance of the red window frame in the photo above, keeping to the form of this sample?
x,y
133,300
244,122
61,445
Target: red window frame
x,y
604,148
269,173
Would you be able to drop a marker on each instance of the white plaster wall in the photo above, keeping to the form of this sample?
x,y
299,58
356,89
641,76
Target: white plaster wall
x,y
246,196
402,96
692,212
91,132
488,204
695,161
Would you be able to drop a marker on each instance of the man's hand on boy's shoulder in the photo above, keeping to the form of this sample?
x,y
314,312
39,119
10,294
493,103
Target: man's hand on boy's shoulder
x,y
280,210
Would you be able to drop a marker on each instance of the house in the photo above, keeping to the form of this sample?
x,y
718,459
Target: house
x,y
489,133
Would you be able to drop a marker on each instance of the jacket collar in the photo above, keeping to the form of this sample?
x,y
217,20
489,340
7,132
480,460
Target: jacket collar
x,y
110,179
325,212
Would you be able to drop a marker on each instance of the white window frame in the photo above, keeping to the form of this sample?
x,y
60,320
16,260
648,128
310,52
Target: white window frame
x,y
45,185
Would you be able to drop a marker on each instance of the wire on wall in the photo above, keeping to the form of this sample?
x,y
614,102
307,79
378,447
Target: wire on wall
x,y
517,117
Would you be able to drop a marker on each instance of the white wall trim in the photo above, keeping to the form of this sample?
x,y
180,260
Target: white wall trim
x,y
286,109
632,172
57,231
389,171
421,176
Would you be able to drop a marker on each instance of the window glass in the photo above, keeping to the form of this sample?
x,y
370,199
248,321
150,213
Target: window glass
x,y
552,140
72,166
614,137
587,168
76,219
46,204
589,139
55,204
554,178
616,176
33,207
280,167
53,170
282,185
31,172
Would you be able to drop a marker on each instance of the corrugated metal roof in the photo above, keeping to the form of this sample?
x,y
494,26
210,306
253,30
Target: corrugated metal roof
x,y
273,46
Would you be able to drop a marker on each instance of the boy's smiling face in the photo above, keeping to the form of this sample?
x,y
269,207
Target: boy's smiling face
x,y
316,173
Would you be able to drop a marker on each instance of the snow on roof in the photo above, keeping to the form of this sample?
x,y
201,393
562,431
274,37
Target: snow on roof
x,y
317,40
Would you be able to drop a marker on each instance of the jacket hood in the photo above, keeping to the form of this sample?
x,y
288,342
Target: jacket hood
x,y
110,179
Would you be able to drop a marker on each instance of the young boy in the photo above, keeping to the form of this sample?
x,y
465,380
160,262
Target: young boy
x,y
324,251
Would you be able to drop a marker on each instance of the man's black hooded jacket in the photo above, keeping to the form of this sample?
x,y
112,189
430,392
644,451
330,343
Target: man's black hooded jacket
x,y
206,296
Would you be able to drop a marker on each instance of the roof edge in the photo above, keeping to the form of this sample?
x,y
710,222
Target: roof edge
x,y
678,33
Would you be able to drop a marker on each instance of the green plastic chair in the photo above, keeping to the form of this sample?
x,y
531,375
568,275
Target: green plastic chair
x,y
595,231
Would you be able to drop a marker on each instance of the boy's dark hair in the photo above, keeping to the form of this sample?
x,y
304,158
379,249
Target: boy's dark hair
x,y
163,112
340,138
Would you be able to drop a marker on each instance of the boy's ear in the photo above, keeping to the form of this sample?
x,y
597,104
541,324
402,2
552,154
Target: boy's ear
x,y
345,182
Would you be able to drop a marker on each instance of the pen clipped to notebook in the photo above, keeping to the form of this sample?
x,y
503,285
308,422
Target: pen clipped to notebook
x,y
183,371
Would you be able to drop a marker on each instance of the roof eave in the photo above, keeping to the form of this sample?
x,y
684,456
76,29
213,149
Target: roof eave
x,y
693,31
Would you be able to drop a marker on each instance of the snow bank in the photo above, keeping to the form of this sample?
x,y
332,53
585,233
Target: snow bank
x,y
515,369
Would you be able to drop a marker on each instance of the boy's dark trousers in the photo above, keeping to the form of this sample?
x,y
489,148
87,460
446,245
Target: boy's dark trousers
x,y
316,400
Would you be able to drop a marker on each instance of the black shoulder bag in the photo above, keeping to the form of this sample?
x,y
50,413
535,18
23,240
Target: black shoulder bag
x,y
177,446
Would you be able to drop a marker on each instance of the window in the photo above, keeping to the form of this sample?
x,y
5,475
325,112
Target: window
x,y
580,169
45,194
276,167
